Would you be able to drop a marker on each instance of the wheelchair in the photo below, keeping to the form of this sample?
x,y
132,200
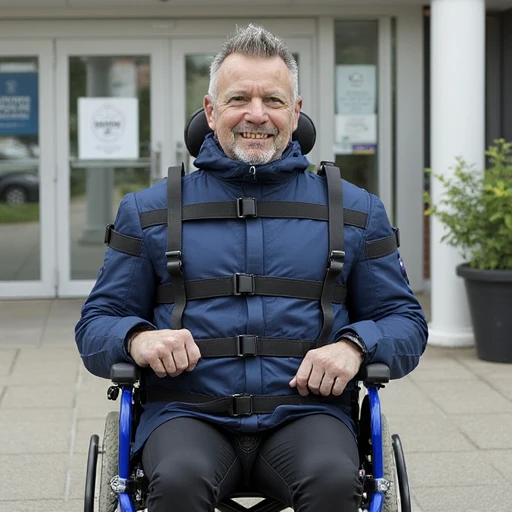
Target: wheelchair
x,y
123,486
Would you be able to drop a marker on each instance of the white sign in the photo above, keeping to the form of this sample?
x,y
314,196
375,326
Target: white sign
x,y
356,89
108,128
354,131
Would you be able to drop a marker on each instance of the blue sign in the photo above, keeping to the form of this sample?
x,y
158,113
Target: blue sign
x,y
19,104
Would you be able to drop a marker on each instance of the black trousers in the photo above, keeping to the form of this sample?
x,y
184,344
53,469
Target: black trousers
x,y
310,464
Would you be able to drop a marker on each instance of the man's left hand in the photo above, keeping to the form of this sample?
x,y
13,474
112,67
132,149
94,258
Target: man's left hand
x,y
328,369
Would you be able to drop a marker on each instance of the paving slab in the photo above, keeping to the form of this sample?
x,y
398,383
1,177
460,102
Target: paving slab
x,y
40,397
502,461
465,397
468,498
452,469
33,477
7,357
35,431
424,434
40,505
490,431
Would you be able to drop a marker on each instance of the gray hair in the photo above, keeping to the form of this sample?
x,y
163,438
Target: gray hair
x,y
254,41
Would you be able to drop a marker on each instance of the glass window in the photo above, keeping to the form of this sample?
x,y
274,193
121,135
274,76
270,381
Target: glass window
x,y
109,168
356,90
20,256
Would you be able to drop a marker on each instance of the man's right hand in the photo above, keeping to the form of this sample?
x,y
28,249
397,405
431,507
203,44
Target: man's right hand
x,y
167,352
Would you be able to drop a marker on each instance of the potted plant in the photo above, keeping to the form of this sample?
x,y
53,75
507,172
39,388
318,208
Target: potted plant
x,y
476,209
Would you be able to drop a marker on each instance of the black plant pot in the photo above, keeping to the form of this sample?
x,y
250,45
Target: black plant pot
x,y
490,304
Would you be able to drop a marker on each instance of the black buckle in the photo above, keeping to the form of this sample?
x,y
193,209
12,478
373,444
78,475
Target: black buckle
x,y
174,263
241,405
246,345
397,236
336,261
108,233
246,207
243,284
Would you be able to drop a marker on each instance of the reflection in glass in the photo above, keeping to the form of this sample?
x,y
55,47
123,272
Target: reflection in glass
x,y
98,185
197,79
20,256
356,54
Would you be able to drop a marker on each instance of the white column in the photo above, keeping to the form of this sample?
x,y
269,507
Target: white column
x,y
457,129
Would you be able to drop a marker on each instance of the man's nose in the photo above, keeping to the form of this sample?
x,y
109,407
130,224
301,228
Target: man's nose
x,y
257,112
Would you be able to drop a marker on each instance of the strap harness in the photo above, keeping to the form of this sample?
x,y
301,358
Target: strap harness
x,y
246,345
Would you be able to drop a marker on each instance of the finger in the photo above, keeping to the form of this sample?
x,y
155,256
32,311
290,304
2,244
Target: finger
x,y
169,364
193,354
302,377
159,368
326,385
315,380
293,382
180,360
338,387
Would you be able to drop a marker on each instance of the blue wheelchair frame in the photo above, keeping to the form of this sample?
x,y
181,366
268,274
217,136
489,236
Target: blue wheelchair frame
x,y
373,376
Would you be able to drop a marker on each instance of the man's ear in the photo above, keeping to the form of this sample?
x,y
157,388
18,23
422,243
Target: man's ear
x,y
208,110
298,107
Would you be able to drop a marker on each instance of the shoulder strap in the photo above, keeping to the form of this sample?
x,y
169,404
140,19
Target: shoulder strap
x,y
336,254
173,253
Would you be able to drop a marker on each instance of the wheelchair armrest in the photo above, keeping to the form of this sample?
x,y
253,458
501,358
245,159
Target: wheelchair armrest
x,y
374,373
124,374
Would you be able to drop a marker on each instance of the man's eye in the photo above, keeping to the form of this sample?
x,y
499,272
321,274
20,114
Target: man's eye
x,y
236,99
275,101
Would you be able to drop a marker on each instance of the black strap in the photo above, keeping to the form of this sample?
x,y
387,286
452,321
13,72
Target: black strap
x,y
122,243
336,254
249,284
384,246
242,404
173,253
263,209
247,345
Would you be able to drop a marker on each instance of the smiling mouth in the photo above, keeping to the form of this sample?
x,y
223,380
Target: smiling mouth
x,y
252,135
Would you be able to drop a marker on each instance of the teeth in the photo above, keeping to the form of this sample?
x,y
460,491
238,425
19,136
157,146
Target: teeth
x,y
251,135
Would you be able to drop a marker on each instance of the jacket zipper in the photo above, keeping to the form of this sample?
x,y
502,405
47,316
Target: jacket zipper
x,y
252,172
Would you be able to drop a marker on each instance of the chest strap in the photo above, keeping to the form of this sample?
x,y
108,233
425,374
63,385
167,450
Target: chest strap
x,y
249,207
248,345
336,253
173,252
249,284
240,404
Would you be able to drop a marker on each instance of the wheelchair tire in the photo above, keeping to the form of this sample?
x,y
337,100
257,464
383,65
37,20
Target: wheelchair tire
x,y
107,500
403,480
392,497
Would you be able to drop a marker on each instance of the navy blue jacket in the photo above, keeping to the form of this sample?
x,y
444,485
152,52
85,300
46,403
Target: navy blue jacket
x,y
380,306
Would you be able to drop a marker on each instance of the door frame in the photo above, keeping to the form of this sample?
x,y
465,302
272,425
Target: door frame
x,y
66,286
45,286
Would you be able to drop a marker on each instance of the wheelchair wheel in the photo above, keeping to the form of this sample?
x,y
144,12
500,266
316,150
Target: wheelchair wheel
x,y
402,479
392,497
107,500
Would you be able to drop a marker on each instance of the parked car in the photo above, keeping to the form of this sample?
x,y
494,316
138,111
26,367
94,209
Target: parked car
x,y
19,187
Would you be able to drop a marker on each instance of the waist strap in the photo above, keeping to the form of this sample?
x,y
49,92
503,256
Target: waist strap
x,y
241,404
246,345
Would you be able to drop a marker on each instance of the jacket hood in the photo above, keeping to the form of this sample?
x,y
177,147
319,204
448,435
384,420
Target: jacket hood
x,y
212,158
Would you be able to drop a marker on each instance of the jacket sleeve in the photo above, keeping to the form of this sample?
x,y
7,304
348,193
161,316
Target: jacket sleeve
x,y
122,298
383,310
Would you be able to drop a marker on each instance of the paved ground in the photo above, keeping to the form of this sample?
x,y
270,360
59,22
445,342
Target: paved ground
x,y
453,413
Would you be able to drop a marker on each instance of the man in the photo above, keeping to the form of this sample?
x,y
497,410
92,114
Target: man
x,y
293,438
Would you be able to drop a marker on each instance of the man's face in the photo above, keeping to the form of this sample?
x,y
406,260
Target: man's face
x,y
254,114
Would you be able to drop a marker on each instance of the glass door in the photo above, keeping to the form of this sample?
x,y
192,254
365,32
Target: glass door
x,y
190,64
27,170
110,130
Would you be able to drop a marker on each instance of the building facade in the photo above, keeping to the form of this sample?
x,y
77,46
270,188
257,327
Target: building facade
x,y
95,94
